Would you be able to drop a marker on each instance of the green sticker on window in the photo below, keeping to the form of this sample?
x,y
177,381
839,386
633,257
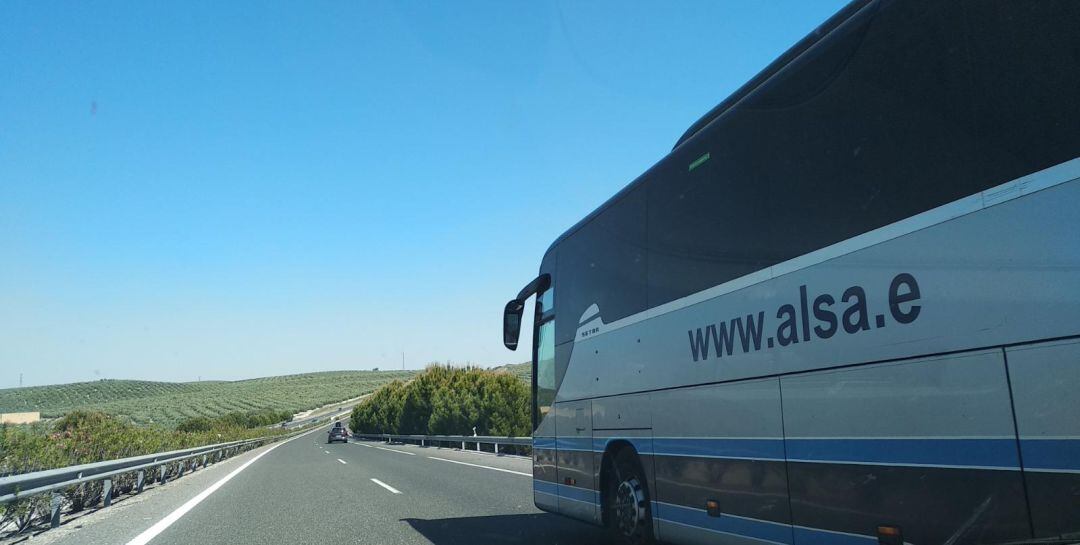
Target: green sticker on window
x,y
697,162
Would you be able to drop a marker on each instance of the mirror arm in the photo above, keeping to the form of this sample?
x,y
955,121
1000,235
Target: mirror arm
x,y
539,284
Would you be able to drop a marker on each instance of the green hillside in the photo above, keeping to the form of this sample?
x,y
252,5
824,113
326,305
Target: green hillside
x,y
523,371
167,403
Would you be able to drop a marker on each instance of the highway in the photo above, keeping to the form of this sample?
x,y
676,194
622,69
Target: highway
x,y
305,491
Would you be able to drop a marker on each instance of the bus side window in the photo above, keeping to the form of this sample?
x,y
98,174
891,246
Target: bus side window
x,y
545,370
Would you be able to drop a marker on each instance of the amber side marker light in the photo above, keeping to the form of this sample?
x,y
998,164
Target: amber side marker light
x,y
712,508
889,535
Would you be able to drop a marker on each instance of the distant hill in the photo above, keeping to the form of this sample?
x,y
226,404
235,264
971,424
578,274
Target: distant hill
x,y
167,403
522,371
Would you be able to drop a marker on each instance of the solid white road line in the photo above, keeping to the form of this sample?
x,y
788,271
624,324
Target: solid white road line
x,y
386,486
161,525
397,451
485,467
340,460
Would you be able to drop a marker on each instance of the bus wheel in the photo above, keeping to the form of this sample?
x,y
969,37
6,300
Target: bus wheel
x,y
627,501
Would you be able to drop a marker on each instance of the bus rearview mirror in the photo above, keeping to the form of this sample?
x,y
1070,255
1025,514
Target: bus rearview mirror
x,y
512,323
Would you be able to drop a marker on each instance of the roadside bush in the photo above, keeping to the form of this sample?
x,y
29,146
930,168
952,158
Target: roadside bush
x,y
84,437
446,400
195,424
249,419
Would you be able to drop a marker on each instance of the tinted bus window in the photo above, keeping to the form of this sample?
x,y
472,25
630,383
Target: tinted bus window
x,y
896,112
705,224
603,263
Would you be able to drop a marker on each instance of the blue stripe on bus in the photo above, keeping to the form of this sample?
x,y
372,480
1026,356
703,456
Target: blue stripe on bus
x,y
543,442
1039,454
545,487
643,445
1051,454
984,453
741,526
574,443
579,494
767,449
575,493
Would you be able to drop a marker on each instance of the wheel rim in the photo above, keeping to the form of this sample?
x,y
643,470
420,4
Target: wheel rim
x,y
629,507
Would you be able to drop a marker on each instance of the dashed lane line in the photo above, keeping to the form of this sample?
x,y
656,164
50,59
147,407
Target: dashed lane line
x,y
386,486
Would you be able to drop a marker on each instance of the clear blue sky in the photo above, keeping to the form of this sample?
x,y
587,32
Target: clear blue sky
x,y
227,191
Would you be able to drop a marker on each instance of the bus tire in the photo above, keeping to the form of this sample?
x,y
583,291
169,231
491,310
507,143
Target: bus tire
x,y
627,512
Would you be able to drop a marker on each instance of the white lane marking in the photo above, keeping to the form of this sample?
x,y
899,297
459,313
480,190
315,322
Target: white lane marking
x,y
326,452
386,486
485,467
482,453
364,445
398,451
340,460
161,525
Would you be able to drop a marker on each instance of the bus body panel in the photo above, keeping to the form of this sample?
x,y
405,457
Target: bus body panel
x,y
724,443
928,445
1047,403
627,412
576,486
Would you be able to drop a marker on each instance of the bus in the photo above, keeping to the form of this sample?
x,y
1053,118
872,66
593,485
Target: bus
x,y
844,308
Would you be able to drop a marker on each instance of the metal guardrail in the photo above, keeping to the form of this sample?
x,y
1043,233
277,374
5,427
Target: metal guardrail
x,y
463,439
26,485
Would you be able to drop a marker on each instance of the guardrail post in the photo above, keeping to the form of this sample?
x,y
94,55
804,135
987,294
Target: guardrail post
x,y
54,510
140,481
463,445
422,442
106,493
180,470
496,448
204,461
161,474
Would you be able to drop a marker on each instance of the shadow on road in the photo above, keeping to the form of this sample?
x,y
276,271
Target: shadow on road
x,y
533,528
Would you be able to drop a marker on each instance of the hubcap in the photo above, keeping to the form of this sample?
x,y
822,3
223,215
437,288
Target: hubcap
x,y
629,508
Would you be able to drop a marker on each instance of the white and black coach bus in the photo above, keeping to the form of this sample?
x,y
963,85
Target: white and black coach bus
x,y
845,308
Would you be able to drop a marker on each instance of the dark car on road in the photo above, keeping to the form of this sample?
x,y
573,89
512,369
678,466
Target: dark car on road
x,y
337,433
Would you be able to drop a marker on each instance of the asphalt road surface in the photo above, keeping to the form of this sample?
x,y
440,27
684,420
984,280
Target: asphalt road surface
x,y
306,491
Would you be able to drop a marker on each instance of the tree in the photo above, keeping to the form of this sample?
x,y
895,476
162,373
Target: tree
x,y
445,400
